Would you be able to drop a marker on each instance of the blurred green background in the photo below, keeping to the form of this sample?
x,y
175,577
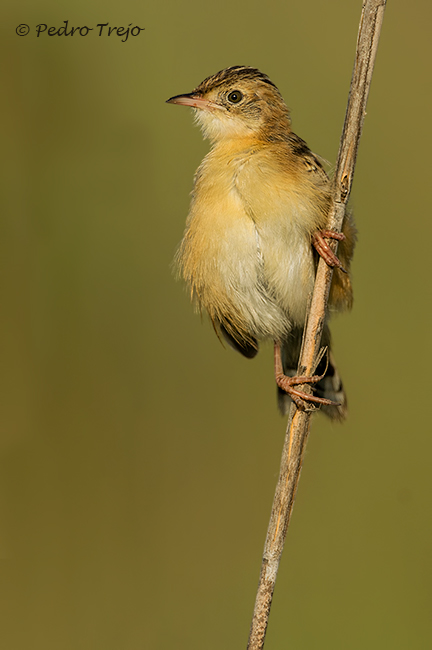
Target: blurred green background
x,y
139,457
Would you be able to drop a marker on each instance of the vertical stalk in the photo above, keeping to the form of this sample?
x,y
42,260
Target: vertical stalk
x,y
299,421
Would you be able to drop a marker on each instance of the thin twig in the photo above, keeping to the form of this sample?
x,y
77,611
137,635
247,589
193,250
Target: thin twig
x,y
299,421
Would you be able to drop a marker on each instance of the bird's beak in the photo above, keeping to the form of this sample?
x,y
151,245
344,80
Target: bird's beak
x,y
194,100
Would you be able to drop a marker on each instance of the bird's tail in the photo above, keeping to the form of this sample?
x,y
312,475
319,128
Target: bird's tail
x,y
329,387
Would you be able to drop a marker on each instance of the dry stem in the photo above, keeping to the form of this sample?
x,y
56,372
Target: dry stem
x,y
299,421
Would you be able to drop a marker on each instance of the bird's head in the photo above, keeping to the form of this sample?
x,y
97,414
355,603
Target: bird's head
x,y
238,102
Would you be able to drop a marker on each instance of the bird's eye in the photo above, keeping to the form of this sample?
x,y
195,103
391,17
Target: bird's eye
x,y
235,97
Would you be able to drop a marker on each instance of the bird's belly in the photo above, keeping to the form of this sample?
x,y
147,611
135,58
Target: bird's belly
x,y
246,275
289,269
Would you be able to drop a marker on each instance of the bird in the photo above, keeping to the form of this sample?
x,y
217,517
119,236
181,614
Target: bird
x,y
256,228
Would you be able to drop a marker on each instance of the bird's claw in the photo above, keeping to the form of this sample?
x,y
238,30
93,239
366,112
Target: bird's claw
x,y
323,249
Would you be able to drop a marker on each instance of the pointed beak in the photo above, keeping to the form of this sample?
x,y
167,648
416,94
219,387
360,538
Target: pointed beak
x,y
194,100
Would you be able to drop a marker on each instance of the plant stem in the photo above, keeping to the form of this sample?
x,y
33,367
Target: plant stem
x,y
299,421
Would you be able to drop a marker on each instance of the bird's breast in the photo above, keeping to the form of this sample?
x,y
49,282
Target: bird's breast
x,y
246,251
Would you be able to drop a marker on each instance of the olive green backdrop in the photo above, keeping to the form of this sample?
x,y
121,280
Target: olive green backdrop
x,y
138,457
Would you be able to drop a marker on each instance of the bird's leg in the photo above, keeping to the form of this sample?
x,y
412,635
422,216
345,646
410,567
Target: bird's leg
x,y
324,250
287,383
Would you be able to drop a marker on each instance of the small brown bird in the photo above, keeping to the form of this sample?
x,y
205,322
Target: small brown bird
x,y
256,226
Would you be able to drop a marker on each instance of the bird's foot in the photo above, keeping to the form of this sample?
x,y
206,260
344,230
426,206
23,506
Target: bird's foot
x,y
323,249
287,384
